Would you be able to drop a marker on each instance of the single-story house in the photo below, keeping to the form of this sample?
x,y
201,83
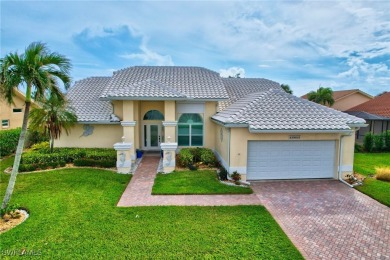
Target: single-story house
x,y
252,125
376,112
346,99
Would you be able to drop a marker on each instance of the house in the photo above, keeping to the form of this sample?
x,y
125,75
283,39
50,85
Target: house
x,y
11,116
377,114
252,125
346,99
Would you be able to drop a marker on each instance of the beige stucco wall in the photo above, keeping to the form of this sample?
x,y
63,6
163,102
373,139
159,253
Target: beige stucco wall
x,y
350,101
222,138
209,127
348,152
239,146
6,113
103,136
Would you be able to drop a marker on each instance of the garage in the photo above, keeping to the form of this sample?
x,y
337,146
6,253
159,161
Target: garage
x,y
291,160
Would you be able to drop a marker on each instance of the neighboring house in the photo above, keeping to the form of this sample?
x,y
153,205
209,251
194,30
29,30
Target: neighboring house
x,y
252,125
377,114
346,99
11,116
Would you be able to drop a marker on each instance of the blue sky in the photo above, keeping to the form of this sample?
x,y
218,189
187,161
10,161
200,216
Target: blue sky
x,y
306,44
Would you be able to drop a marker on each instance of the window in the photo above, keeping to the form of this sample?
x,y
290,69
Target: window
x,y
5,123
153,115
190,130
17,110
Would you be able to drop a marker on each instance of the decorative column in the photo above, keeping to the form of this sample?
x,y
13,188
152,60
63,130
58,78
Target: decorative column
x,y
123,155
169,158
170,145
129,135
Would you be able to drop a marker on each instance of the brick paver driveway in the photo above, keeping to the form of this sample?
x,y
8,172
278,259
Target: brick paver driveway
x,y
327,219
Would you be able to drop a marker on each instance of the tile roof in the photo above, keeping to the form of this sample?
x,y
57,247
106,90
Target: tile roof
x,y
192,82
240,87
378,106
367,116
277,110
84,99
339,94
148,89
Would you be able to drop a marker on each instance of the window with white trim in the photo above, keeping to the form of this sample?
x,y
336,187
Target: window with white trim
x,y
5,123
190,130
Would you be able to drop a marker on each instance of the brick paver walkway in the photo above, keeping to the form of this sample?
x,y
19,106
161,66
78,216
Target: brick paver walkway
x,y
138,192
327,219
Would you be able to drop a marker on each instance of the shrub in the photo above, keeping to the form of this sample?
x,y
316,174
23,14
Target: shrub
x,y
34,137
9,141
368,142
207,157
223,174
186,157
41,146
197,153
358,148
383,173
386,138
9,209
378,142
236,176
95,163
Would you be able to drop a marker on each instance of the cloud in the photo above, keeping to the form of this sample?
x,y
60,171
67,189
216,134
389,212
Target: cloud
x,y
232,72
149,57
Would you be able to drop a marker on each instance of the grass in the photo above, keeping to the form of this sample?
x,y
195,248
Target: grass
x,y
6,162
365,164
376,189
193,182
73,215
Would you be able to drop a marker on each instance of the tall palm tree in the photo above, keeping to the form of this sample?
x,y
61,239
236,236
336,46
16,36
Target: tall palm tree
x,y
38,70
322,96
52,117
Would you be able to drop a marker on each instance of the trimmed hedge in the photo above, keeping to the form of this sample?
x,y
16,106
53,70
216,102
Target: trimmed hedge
x,y
9,141
41,158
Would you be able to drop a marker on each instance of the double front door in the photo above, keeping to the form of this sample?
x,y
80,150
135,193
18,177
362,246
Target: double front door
x,y
151,136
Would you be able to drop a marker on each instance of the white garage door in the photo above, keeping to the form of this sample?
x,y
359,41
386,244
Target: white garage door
x,y
290,159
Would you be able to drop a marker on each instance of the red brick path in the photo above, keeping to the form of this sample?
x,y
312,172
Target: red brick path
x,y
138,192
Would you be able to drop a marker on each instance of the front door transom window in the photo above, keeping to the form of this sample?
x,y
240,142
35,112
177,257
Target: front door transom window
x,y
190,130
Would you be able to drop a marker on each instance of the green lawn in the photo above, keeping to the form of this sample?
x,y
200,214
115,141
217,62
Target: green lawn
x,y
379,190
365,164
73,215
194,182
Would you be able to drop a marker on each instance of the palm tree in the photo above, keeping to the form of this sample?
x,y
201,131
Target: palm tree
x,y
286,88
53,116
38,71
322,96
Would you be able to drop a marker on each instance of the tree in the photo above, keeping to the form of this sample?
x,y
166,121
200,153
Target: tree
x,y
286,88
52,117
322,96
38,71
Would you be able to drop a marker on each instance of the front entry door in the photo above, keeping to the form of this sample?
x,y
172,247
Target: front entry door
x,y
152,136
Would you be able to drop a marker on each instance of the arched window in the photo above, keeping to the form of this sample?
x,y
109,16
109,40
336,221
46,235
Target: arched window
x,y
153,115
190,130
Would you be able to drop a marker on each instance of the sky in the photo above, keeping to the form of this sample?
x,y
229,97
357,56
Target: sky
x,y
305,44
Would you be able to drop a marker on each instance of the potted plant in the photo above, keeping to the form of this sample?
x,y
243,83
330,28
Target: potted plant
x,y
139,153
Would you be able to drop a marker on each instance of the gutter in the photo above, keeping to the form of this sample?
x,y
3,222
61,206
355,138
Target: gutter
x,y
347,132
